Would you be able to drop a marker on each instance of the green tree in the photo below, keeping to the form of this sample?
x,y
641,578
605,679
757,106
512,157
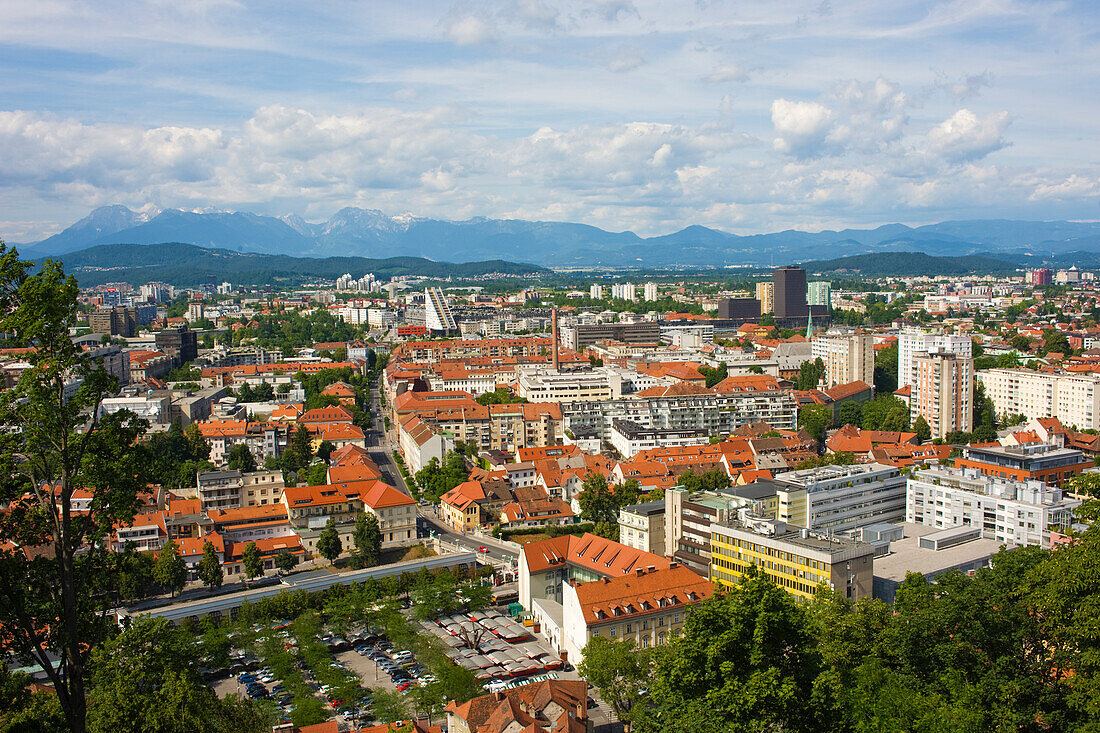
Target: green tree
x,y
146,679
252,561
712,480
1020,342
301,443
886,370
328,543
57,562
850,413
368,540
597,501
620,671
240,458
810,374
714,375
815,420
325,449
1054,341
499,396
922,429
885,412
210,566
170,571
285,561
135,572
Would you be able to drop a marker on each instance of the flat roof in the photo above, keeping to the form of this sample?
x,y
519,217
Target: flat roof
x,y
648,508
907,556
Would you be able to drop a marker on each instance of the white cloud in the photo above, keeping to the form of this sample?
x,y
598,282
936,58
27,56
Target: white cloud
x,y
612,11
964,136
626,61
801,127
470,30
727,73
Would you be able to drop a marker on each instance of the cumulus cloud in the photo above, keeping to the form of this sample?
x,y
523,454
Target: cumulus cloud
x,y
965,137
470,30
801,127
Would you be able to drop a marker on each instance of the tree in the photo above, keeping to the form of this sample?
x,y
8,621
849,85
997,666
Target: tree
x,y
499,396
135,572
328,543
1054,341
850,413
325,449
810,374
56,567
285,561
715,375
210,566
147,679
922,429
302,447
252,561
597,501
885,412
619,671
815,420
1020,342
368,540
712,480
170,571
263,392
240,458
886,370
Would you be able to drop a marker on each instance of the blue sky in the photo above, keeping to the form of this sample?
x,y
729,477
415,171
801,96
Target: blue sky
x,y
625,114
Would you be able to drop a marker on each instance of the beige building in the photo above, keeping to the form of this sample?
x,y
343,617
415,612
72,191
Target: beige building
x,y
765,293
1072,398
848,357
642,526
539,384
942,392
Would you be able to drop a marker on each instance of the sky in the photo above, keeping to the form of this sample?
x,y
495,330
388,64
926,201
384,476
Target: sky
x,y
625,114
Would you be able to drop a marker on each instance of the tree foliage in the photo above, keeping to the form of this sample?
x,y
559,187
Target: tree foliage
x,y
252,561
240,458
368,540
329,545
810,374
170,571
435,479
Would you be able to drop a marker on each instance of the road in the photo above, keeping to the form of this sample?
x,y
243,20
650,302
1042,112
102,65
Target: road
x,y
381,445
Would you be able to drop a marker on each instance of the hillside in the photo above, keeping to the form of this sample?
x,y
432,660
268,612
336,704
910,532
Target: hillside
x,y
908,264
188,264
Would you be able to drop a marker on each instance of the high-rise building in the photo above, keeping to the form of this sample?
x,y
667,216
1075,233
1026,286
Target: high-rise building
x,y
765,293
819,293
624,291
1073,398
179,343
913,340
943,392
596,291
742,309
848,357
1041,276
120,320
790,292
649,292
437,313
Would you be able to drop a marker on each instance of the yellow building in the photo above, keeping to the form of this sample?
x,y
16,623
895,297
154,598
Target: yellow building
x,y
795,559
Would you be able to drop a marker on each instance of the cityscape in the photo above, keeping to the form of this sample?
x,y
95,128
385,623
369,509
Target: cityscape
x,y
548,367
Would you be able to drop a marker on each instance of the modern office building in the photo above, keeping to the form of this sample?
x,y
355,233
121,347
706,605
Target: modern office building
x,y
120,320
1046,462
819,293
585,334
738,309
840,498
795,559
790,292
942,392
1013,512
915,340
536,383
179,343
437,312
848,357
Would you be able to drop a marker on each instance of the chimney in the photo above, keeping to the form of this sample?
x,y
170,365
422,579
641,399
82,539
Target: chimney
x,y
673,565
554,338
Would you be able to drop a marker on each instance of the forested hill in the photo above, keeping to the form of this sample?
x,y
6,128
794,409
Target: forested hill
x,y
187,264
910,264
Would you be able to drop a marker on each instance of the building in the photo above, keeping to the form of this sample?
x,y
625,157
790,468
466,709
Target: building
x,y
309,509
915,548
629,438
797,560
232,489
1046,462
839,498
689,518
117,321
646,606
596,291
1073,398
536,383
914,340
942,392
738,309
819,293
419,443
1004,509
848,357
550,706
649,292
180,343
642,526
437,312
789,292
765,293
578,336
1041,276
624,291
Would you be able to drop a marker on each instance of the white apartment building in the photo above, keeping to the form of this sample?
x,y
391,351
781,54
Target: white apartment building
x,y
819,293
765,293
1072,398
536,383
840,498
1007,510
437,313
626,291
914,340
629,438
596,291
848,357
943,392
649,291
642,526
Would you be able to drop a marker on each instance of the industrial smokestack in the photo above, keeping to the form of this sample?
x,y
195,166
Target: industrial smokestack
x,y
554,338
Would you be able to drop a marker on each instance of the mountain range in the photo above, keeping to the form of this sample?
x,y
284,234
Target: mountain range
x,y
353,232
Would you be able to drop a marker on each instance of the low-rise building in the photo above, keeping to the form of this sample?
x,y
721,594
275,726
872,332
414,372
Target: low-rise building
x,y
642,526
840,498
1046,462
629,438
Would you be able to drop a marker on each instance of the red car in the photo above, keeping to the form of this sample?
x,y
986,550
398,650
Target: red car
x,y
483,548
